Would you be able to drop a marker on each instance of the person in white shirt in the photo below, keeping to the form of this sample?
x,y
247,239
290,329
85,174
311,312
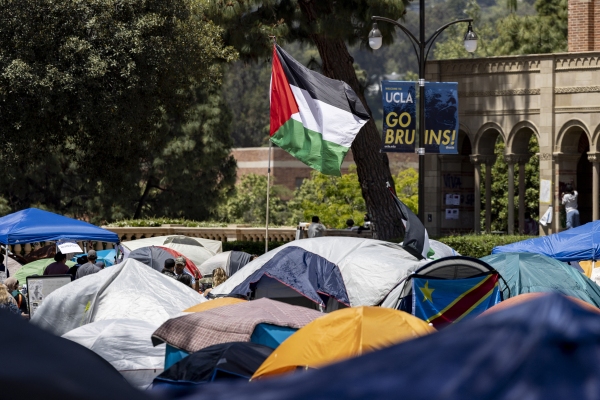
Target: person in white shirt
x,y
569,199
316,228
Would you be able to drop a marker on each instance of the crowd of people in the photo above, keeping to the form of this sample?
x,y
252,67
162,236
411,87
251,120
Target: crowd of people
x,y
175,268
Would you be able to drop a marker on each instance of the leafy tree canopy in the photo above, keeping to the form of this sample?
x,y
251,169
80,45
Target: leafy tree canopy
x,y
105,104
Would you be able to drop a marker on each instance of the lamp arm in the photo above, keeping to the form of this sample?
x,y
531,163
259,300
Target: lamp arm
x,y
429,42
412,37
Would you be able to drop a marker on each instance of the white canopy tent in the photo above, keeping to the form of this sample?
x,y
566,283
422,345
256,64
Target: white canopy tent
x,y
129,290
369,268
215,246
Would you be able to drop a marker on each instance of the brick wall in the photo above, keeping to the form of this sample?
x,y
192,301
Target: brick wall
x,y
289,172
583,18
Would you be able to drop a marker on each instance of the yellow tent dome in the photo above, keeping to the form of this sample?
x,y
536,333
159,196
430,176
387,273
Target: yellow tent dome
x,y
218,302
343,334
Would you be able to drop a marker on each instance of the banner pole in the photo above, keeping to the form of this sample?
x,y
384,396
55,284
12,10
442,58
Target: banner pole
x,y
268,190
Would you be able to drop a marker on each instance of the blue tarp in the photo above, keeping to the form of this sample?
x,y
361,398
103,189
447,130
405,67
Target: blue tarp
x,y
105,256
547,348
307,273
577,244
530,273
35,225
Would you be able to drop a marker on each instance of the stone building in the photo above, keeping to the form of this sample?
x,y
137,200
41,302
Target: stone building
x,y
289,172
555,97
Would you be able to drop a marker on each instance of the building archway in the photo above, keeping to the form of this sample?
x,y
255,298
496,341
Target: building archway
x,y
484,157
521,150
574,167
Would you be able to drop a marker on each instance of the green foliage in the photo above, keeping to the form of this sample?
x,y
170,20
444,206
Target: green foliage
x,y
257,248
337,199
500,187
478,246
249,200
509,33
112,109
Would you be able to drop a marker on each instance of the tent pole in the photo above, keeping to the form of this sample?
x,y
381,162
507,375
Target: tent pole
x,y
268,190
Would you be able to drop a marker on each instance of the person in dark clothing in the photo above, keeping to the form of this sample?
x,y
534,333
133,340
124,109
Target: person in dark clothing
x,y
59,266
186,280
169,268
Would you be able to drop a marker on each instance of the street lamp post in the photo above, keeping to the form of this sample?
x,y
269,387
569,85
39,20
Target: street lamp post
x,y
422,48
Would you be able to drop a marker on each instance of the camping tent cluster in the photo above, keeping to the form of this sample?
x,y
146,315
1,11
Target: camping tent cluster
x,y
331,304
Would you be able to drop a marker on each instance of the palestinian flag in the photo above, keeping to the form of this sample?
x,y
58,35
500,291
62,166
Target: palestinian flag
x,y
313,118
416,239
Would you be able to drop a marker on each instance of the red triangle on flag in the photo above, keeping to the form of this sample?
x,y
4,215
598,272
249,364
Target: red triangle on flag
x,y
283,103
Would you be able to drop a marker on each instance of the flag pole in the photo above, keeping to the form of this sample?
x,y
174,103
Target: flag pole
x,y
268,190
269,176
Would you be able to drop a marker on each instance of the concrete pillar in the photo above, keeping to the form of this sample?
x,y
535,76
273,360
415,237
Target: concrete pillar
x,y
476,161
595,160
522,162
510,160
488,193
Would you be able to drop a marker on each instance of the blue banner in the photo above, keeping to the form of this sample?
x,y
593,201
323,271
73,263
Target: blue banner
x,y
399,116
441,117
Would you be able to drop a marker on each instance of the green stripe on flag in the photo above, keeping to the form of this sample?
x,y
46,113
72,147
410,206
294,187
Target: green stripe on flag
x,y
309,147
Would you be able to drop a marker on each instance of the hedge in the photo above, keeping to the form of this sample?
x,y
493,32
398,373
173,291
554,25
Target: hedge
x,y
257,248
480,245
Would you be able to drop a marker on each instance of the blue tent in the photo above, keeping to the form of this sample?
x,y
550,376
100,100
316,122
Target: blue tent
x,y
547,348
530,273
35,225
577,244
307,274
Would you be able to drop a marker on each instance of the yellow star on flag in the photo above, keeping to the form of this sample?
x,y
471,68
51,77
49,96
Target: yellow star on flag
x,y
426,292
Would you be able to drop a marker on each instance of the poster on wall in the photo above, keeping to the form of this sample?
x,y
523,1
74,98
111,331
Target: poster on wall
x,y
40,287
399,116
441,117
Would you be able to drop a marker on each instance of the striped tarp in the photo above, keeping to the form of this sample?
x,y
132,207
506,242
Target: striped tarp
x,y
232,323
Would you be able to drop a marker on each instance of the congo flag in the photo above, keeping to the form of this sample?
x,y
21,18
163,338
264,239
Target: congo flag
x,y
444,301
313,118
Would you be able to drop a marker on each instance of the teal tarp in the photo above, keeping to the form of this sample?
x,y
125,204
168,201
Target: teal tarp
x,y
530,273
266,334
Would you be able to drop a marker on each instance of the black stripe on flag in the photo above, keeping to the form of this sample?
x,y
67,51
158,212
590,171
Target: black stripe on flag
x,y
320,87
414,231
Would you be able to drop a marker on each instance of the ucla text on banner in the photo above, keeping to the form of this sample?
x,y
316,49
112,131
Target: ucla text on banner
x,y
399,116
444,301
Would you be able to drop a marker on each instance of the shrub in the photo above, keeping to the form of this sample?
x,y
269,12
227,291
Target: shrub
x,y
479,245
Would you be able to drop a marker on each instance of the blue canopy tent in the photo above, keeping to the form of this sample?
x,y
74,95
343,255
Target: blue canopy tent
x,y
547,348
577,244
35,225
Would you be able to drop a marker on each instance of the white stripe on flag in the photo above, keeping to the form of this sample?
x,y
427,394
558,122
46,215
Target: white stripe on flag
x,y
336,125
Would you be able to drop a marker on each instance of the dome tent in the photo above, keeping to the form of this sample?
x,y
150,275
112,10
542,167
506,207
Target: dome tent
x,y
368,268
126,345
129,290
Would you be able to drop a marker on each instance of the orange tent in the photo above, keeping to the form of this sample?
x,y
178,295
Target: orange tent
x,y
218,302
342,334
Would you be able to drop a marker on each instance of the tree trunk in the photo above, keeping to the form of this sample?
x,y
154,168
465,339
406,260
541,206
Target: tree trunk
x,y
138,210
372,166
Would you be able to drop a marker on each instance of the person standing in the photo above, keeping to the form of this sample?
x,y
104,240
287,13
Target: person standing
x,y
4,274
59,266
316,228
569,200
89,267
